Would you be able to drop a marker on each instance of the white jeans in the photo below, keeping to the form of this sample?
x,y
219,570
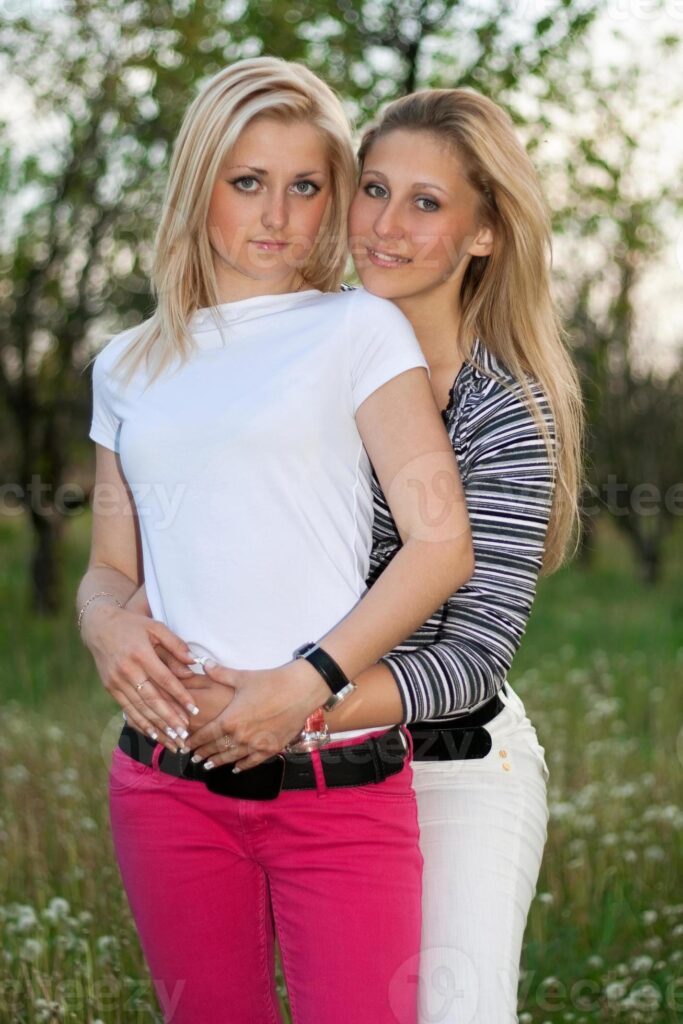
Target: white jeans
x,y
483,827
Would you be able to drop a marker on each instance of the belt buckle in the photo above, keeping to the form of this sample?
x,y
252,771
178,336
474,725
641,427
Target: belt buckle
x,y
264,782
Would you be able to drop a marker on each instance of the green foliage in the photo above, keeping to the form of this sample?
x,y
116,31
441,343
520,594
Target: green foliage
x,y
600,673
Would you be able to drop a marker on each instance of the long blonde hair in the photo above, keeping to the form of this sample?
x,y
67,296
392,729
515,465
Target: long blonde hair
x,y
183,278
506,297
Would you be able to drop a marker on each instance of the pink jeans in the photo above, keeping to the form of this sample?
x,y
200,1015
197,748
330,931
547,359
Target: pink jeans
x,y
334,874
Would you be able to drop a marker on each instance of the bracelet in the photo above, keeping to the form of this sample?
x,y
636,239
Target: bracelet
x,y
93,597
328,668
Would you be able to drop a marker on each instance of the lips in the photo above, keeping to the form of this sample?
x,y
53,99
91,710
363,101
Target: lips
x,y
269,244
386,259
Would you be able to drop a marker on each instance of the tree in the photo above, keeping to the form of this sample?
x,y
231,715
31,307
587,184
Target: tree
x,y
106,82
612,222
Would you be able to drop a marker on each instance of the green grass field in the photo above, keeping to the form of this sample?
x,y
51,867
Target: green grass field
x,y
600,672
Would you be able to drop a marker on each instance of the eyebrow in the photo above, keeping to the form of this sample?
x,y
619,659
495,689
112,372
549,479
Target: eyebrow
x,y
264,173
416,184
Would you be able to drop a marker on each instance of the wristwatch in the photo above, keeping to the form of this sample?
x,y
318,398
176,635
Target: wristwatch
x,y
330,671
314,735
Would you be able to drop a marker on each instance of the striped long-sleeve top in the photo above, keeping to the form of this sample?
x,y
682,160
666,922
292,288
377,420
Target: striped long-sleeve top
x,y
460,657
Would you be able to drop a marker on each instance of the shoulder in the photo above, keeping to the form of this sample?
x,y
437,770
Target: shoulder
x,y
492,396
105,362
367,311
116,346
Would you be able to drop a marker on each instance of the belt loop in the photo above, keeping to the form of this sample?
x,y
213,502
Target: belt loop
x,y
156,754
318,771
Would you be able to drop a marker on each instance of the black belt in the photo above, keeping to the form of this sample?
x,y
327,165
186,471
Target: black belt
x,y
370,760
462,739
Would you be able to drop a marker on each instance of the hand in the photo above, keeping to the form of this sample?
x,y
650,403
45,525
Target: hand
x,y
211,697
268,711
126,647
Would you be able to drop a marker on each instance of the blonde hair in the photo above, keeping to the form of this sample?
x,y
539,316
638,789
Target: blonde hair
x,y
183,278
506,297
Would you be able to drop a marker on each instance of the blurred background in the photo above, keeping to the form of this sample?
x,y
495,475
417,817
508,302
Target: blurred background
x,y
92,96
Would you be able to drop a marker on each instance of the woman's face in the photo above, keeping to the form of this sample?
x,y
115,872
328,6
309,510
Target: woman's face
x,y
268,202
413,223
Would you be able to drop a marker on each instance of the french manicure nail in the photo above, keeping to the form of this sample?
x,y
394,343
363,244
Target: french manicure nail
x,y
171,732
152,734
210,663
193,709
183,750
183,733
195,759
208,765
236,770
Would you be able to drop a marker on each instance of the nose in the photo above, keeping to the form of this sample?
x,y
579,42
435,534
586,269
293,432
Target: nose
x,y
274,216
387,223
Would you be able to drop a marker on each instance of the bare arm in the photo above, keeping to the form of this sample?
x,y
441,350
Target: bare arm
x,y
123,643
414,461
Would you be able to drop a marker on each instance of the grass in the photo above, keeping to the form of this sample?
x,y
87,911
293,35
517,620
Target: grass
x,y
599,671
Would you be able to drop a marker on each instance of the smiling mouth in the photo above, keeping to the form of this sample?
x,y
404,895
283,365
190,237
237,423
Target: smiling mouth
x,y
383,259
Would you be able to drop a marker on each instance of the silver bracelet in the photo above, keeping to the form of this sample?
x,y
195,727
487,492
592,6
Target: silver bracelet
x,y
93,597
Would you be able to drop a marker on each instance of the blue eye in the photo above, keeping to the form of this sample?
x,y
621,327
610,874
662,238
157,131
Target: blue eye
x,y
242,184
369,190
432,204
310,186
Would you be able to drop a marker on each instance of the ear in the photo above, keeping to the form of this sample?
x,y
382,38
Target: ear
x,y
482,244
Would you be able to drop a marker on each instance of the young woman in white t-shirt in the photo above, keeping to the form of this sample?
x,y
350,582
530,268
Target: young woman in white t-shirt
x,y
234,434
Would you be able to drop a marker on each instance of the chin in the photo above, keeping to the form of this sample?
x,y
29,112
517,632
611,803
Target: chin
x,y
383,286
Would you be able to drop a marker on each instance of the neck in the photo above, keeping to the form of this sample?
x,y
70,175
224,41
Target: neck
x,y
435,318
231,285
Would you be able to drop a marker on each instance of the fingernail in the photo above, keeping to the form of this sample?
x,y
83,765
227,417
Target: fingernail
x,y
195,759
208,764
236,770
209,663
170,732
192,708
183,733
152,734
184,750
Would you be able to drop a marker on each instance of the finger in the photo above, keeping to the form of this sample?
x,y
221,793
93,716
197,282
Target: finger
x,y
216,758
211,733
139,721
171,642
173,665
219,673
154,668
149,703
250,762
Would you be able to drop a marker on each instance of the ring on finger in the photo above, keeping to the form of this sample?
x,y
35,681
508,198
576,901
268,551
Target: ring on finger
x,y
138,686
227,742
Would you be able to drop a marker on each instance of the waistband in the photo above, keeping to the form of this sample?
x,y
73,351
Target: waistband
x,y
356,764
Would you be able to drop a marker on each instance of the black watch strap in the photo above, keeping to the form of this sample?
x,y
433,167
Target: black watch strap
x,y
325,665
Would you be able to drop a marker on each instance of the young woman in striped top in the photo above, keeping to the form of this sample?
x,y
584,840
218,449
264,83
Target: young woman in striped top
x,y
450,224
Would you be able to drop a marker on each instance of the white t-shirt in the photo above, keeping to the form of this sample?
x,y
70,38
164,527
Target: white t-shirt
x,y
249,476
